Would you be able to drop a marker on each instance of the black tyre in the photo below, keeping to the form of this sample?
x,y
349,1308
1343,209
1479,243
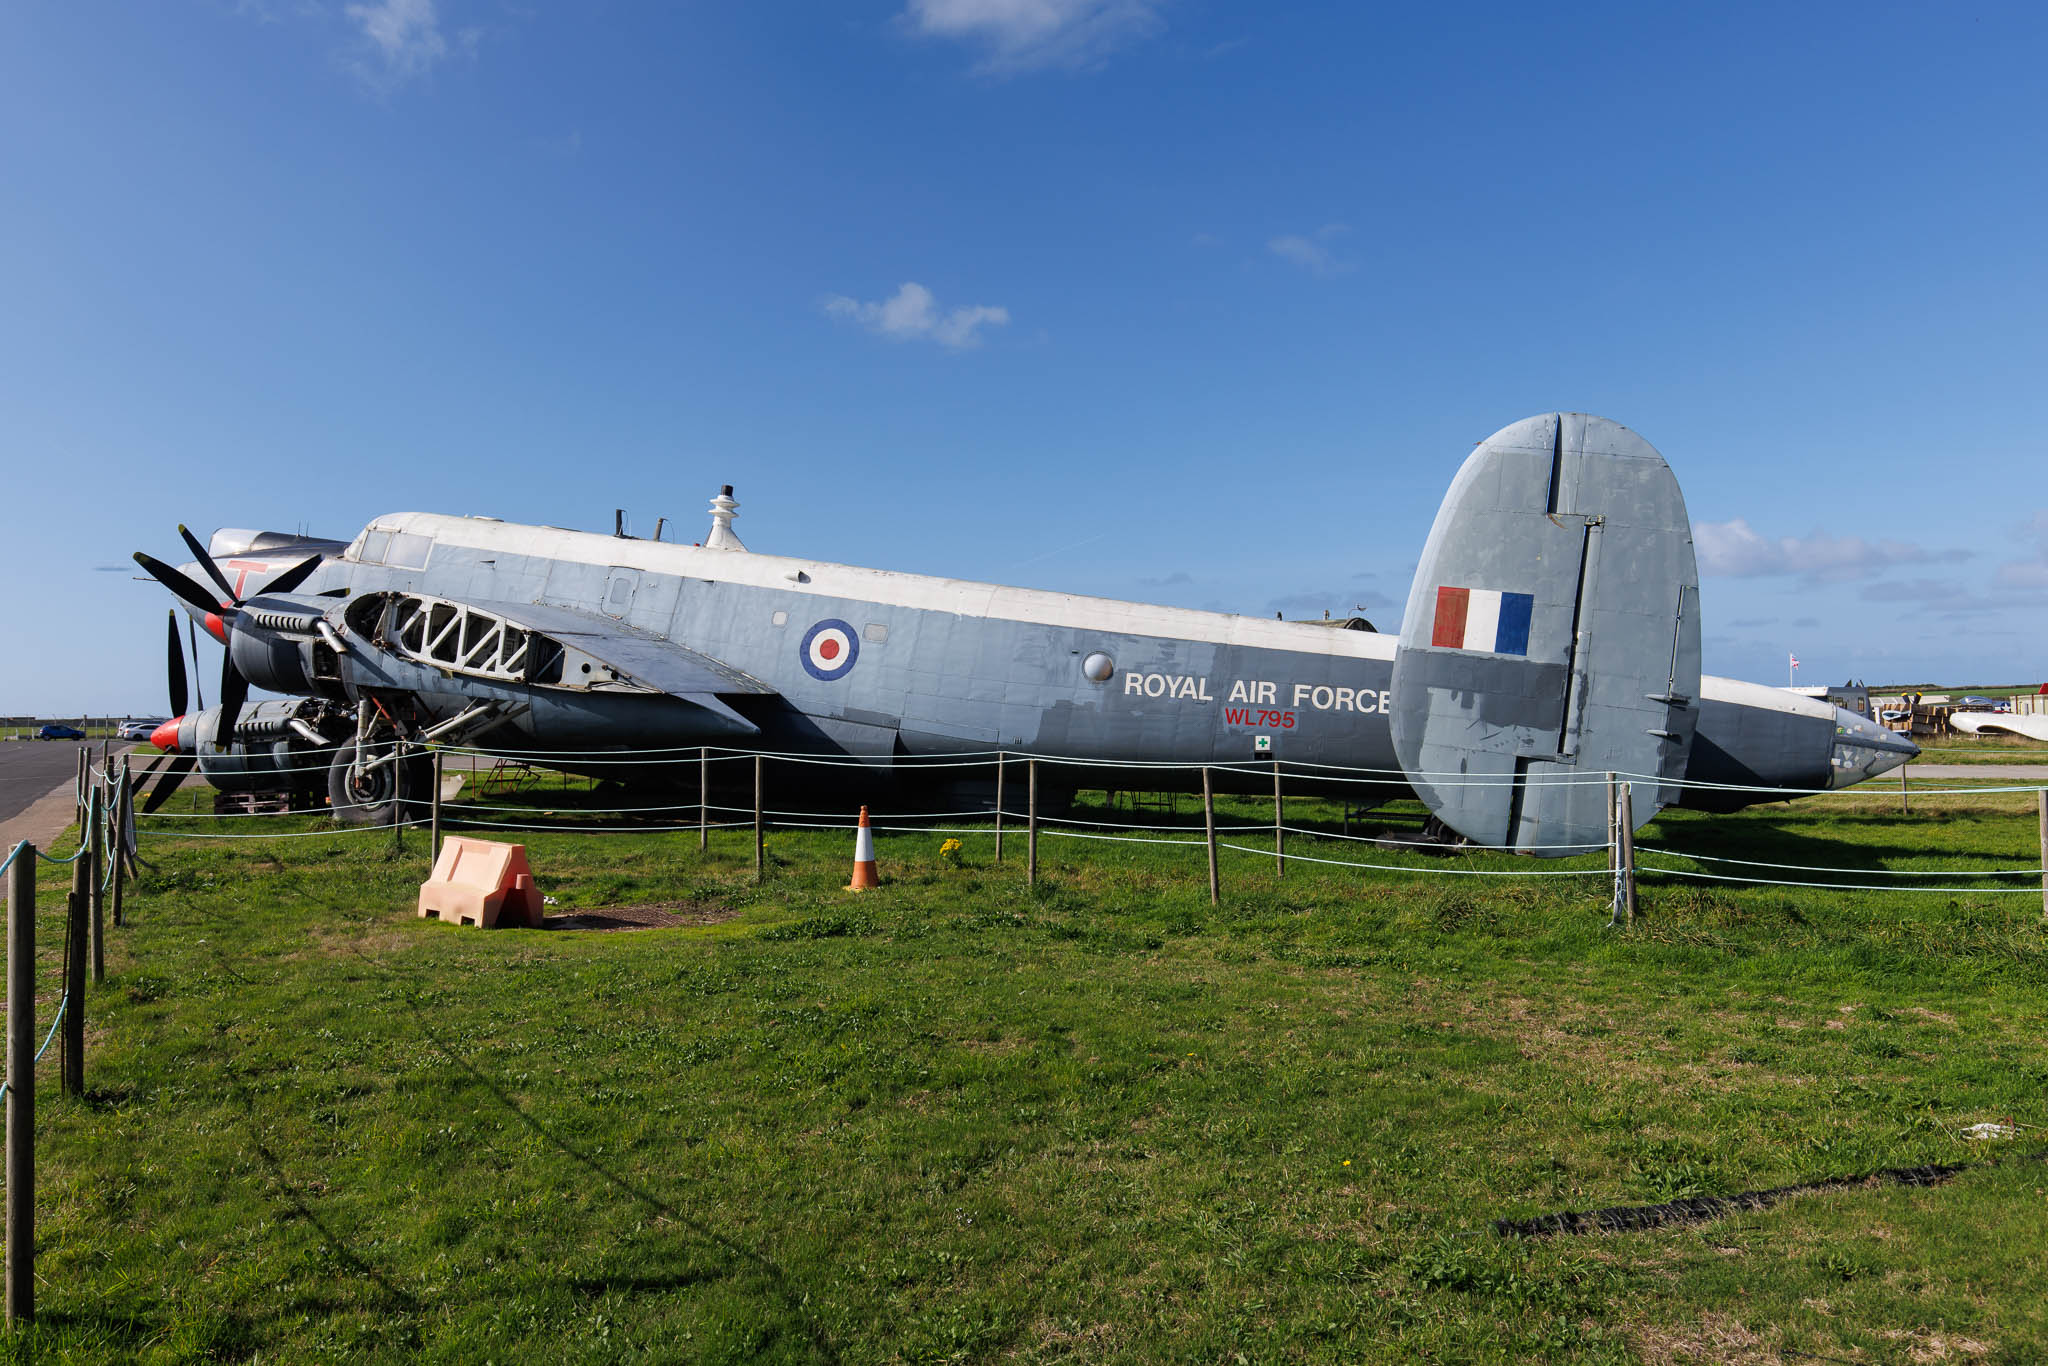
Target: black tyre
x,y
372,798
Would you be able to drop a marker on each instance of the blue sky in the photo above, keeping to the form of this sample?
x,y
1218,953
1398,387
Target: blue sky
x,y
1177,301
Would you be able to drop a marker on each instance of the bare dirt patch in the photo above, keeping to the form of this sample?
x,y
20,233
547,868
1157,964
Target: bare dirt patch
x,y
1719,1338
660,915
1927,1345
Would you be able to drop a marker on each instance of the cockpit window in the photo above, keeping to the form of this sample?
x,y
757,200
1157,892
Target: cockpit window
x,y
408,551
399,549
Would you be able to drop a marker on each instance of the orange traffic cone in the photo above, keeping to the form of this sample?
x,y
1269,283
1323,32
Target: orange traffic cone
x,y
863,857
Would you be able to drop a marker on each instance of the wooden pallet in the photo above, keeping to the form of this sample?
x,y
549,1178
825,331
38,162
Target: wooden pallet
x,y
252,803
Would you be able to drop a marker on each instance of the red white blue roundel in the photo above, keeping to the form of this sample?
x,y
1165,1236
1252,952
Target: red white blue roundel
x,y
829,650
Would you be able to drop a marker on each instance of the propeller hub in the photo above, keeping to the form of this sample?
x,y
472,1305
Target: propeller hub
x,y
216,627
165,737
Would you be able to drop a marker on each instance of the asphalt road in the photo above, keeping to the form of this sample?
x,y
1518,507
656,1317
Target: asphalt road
x,y
30,768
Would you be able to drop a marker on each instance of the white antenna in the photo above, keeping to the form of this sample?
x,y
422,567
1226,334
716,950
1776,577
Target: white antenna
x,y
723,510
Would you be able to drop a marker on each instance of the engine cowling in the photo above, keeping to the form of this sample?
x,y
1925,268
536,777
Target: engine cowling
x,y
277,743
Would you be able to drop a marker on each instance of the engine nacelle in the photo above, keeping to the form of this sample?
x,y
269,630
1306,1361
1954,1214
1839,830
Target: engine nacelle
x,y
279,646
278,743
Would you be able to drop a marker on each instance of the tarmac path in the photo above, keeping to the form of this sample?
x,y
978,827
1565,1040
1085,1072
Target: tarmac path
x,y
37,798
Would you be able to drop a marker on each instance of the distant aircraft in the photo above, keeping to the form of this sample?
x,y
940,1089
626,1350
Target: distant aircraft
x,y
1551,636
2033,727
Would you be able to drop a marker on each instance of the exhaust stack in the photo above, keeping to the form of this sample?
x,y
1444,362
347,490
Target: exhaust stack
x,y
723,510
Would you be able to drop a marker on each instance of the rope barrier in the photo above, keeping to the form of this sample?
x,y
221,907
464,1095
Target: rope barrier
x,y
1820,868
1459,847
1405,868
1118,839
62,1006
1839,886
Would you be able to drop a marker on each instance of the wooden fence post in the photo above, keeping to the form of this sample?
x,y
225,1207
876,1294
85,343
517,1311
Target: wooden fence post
x,y
703,798
397,798
1627,832
127,813
1905,808
1031,827
1279,826
760,847
95,879
81,789
1613,825
21,1086
72,1032
117,833
999,806
2041,799
1209,824
434,816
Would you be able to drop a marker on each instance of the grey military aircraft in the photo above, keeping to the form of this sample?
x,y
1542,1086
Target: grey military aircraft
x,y
1551,637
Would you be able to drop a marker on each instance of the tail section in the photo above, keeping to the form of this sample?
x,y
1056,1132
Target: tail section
x,y
1552,636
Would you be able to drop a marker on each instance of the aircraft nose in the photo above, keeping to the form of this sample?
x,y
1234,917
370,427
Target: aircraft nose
x,y
165,737
1864,750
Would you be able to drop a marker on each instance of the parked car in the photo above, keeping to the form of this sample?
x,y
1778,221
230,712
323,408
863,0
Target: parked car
x,y
136,730
60,733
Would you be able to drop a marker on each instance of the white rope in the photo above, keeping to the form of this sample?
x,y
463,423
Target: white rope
x,y
1117,839
268,834
1841,886
1442,872
1429,844
1823,868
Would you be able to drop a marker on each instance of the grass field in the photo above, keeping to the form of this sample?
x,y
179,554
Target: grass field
x,y
1981,749
1099,1121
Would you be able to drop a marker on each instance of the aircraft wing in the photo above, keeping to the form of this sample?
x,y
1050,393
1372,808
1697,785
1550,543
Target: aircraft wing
x,y
640,655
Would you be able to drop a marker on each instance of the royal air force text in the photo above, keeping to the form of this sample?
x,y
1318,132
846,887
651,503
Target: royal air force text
x,y
1271,706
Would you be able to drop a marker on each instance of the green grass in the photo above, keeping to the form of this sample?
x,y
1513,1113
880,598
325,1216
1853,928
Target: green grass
x,y
963,1120
1981,749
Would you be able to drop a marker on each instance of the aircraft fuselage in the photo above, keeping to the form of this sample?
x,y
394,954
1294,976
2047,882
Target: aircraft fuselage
x,y
886,665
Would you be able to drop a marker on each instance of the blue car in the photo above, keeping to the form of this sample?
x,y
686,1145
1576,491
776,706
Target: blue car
x,y
60,733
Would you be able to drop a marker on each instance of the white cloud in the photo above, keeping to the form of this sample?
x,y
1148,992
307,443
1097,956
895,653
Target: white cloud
x,y
912,313
1733,549
1024,35
1312,253
404,35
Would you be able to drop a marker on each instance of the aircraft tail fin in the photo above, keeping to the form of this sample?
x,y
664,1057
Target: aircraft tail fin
x,y
1552,636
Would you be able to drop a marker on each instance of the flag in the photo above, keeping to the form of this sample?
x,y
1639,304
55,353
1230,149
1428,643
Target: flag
x,y
1795,659
1482,619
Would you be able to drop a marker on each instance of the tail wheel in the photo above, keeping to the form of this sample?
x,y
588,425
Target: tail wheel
x,y
373,796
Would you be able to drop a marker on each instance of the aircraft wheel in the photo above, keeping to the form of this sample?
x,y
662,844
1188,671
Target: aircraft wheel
x,y
371,798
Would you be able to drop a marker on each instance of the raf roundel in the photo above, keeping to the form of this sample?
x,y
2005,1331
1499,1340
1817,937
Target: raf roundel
x,y
829,649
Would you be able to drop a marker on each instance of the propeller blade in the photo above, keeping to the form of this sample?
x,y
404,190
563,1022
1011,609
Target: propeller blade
x,y
200,553
234,691
293,577
192,633
177,668
180,766
177,582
